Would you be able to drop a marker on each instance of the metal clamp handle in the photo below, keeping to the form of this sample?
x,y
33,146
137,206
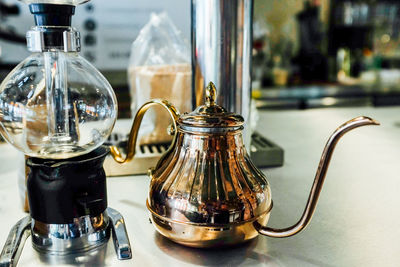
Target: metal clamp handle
x,y
15,242
119,235
116,153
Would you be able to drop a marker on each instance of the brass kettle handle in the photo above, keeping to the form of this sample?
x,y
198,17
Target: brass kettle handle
x,y
116,153
318,181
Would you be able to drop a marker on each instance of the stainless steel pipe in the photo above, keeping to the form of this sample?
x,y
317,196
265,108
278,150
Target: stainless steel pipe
x,y
221,53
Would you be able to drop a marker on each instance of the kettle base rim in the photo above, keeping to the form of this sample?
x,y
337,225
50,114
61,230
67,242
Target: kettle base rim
x,y
207,236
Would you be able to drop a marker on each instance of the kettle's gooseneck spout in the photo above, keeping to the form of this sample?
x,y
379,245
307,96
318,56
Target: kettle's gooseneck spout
x,y
318,181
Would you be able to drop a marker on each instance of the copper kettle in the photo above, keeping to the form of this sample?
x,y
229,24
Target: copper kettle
x,y
205,191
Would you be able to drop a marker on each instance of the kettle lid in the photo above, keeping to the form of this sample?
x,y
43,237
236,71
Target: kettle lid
x,y
211,115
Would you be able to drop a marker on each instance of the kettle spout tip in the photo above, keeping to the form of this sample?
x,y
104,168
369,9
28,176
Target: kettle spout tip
x,y
360,121
375,122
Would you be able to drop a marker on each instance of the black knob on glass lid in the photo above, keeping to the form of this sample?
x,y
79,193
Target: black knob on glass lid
x,y
52,14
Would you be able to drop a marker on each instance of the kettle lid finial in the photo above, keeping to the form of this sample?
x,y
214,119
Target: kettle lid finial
x,y
211,94
211,115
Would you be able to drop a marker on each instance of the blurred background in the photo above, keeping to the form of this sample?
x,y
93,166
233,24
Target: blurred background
x,y
326,53
306,54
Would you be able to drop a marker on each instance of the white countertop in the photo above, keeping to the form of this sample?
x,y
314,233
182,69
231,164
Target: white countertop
x,y
357,221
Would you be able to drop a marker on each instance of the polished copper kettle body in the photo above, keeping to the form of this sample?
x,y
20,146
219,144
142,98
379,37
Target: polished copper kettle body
x,y
205,191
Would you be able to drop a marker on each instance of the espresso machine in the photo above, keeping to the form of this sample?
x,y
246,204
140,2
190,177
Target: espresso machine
x,y
58,110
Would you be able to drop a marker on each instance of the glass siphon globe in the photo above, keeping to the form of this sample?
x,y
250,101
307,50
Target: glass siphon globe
x,y
56,105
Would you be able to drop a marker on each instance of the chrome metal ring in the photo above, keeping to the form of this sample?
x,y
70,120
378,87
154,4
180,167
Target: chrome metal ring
x,y
83,234
44,38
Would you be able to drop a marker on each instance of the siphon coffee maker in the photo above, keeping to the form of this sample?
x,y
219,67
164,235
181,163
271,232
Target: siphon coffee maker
x,y
58,109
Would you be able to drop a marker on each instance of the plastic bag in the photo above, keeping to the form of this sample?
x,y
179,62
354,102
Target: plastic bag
x,y
159,68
